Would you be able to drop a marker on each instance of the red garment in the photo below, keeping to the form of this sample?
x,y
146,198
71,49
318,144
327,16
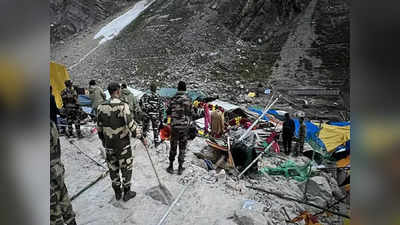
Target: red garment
x,y
275,145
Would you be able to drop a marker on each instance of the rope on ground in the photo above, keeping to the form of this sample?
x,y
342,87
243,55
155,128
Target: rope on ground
x,y
73,142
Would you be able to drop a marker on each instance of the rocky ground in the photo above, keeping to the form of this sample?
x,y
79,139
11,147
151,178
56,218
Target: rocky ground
x,y
225,49
211,197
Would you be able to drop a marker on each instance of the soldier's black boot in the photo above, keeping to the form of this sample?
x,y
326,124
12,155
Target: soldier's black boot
x,y
180,169
128,194
170,169
118,192
80,134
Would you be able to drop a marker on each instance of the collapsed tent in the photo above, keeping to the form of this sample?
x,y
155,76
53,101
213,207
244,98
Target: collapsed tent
x,y
328,137
58,75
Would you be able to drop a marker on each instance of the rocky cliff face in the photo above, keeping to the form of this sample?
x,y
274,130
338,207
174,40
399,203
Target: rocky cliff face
x,y
229,48
68,17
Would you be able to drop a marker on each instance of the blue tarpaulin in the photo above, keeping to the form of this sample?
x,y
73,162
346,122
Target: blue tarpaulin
x,y
84,100
340,124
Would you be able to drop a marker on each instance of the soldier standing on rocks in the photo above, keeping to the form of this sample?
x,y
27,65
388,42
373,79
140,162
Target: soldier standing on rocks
x,y
96,95
180,110
129,98
302,136
61,211
152,108
115,125
71,108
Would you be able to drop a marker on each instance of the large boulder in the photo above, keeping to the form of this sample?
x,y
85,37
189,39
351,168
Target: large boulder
x,y
319,190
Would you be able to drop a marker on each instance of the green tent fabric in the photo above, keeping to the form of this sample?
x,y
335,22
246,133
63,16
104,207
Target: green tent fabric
x,y
170,92
290,170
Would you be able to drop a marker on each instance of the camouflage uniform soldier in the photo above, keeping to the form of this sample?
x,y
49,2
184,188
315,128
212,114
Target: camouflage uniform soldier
x,y
71,108
96,95
181,111
302,136
129,98
61,211
115,124
152,108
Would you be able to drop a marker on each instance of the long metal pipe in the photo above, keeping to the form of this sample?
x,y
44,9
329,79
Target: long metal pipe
x,y
172,205
255,122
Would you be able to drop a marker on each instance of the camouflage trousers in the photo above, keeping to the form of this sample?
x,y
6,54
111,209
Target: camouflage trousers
x,y
60,205
120,160
73,118
155,124
178,138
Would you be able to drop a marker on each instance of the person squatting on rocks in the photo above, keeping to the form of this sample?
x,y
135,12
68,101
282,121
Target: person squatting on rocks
x,y
96,95
71,108
61,211
302,136
115,125
130,99
152,108
180,110
287,133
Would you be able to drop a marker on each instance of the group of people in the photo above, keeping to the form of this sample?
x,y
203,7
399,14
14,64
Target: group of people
x,y
118,119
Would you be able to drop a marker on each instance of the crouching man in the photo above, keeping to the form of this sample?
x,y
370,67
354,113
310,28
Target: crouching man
x,y
115,125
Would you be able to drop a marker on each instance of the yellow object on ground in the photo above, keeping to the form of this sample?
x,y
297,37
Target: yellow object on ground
x,y
237,120
252,94
196,103
333,136
58,75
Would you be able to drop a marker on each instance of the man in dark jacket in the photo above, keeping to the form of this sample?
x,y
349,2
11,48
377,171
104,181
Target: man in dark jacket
x,y
287,133
181,111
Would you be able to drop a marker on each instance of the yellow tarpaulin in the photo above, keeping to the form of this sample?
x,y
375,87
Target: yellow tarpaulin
x,y
333,136
58,75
